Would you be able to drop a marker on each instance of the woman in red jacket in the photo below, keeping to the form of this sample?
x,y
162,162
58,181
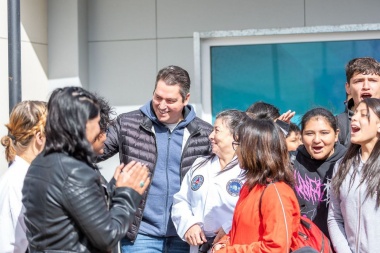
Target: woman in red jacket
x,y
267,214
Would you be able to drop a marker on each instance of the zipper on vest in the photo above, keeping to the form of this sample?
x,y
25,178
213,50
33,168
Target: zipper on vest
x,y
145,196
167,180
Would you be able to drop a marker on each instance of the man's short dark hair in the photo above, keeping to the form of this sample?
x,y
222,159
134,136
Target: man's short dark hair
x,y
174,75
363,65
293,128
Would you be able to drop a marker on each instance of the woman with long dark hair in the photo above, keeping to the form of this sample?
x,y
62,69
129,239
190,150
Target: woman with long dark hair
x,y
203,207
314,163
267,215
65,206
354,214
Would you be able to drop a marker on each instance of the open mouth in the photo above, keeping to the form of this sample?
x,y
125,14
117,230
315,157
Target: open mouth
x,y
355,129
317,149
366,95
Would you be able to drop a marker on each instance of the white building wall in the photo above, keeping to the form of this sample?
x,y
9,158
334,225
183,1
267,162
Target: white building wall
x,y
68,43
34,62
3,77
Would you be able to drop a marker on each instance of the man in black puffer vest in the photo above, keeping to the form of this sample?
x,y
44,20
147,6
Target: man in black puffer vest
x,y
363,81
166,135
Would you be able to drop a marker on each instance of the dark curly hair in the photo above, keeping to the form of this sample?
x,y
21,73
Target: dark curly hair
x,y
106,112
69,110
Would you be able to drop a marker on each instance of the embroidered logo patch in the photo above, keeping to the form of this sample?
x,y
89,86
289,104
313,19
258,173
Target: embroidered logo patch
x,y
197,182
233,187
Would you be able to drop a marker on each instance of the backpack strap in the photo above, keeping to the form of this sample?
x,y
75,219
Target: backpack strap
x,y
282,207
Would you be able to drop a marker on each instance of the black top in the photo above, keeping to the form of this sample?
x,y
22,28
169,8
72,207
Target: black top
x,y
313,178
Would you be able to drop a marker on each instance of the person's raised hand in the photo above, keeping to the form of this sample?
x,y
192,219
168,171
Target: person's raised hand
x,y
287,116
134,175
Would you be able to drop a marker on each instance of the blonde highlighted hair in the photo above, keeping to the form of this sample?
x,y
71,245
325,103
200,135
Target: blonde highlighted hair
x,y
26,120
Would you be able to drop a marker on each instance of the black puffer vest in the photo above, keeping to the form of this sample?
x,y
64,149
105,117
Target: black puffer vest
x,y
137,142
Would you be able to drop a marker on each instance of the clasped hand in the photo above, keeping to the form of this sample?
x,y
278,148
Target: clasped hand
x,y
134,175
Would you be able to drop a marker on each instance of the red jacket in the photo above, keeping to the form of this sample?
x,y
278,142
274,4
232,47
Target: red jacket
x,y
270,233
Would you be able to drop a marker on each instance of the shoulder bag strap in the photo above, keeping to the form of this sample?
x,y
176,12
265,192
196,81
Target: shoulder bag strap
x,y
283,211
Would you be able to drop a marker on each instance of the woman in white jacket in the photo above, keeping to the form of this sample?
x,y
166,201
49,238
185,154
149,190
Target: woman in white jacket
x,y
203,208
24,141
354,213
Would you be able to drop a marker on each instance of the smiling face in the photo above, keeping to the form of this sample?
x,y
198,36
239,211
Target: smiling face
x,y
221,138
319,138
364,130
363,86
168,103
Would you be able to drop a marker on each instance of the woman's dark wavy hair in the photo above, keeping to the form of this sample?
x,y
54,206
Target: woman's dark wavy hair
x,y
371,169
106,112
231,119
69,110
263,153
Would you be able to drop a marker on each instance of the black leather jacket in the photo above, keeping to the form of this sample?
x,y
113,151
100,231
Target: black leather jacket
x,y
66,210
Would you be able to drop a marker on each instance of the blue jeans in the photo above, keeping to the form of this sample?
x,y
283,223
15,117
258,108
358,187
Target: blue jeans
x,y
152,244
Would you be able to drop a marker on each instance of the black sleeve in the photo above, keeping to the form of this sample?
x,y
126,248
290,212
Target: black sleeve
x,y
343,123
85,203
112,141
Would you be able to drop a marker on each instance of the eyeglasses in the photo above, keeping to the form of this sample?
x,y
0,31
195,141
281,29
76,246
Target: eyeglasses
x,y
235,144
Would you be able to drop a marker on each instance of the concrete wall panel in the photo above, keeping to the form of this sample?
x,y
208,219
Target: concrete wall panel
x,y
4,98
124,71
34,19
178,52
121,19
3,19
182,18
63,39
340,12
34,71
